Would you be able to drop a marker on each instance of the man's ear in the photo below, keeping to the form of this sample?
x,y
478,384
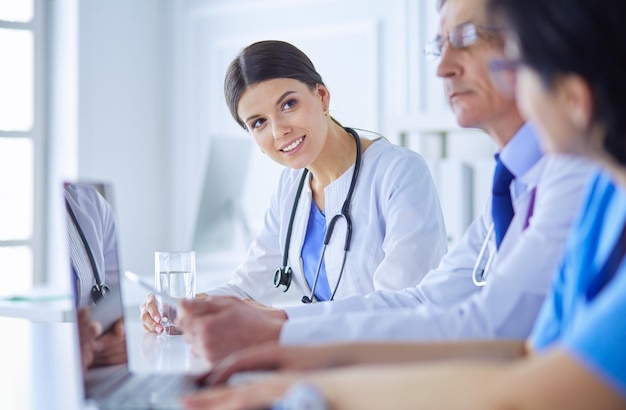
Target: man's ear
x,y
578,98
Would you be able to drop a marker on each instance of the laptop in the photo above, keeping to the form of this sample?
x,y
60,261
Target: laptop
x,y
94,256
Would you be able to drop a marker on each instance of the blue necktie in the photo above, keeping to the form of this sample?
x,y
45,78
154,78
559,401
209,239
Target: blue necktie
x,y
501,205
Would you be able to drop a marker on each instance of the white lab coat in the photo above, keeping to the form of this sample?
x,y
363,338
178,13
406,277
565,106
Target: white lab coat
x,y
398,230
97,222
447,305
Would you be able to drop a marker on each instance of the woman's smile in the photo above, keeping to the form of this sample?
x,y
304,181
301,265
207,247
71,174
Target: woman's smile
x,y
289,149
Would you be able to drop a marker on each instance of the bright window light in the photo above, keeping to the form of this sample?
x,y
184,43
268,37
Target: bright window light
x,y
16,189
16,80
16,10
16,270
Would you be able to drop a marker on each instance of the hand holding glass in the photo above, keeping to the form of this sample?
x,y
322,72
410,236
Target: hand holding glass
x,y
175,275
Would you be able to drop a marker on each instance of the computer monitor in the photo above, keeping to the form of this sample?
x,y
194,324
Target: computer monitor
x,y
220,214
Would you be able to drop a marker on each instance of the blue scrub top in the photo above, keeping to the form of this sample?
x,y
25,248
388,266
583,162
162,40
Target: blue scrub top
x,y
586,311
312,251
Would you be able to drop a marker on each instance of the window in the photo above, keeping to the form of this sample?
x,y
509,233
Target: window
x,y
22,162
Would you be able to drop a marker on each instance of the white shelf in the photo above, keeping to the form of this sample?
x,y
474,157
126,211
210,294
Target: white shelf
x,y
36,311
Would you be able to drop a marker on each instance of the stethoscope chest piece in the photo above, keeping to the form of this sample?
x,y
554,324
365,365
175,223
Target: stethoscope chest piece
x,y
282,277
98,292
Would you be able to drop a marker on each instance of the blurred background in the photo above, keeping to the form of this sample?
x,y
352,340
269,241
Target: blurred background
x,y
130,92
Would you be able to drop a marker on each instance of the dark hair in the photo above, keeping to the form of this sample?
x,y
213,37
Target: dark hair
x,y
581,37
266,60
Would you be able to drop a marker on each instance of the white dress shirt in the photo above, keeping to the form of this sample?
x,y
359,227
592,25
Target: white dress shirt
x,y
447,305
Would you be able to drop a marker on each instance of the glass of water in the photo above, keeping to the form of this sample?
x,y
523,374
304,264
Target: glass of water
x,y
175,275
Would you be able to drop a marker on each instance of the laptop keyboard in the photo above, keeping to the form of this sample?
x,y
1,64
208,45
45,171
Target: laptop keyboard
x,y
149,391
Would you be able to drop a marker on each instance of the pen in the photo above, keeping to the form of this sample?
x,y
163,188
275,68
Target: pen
x,y
133,277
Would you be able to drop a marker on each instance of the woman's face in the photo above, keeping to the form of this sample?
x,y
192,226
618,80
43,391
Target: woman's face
x,y
286,119
552,110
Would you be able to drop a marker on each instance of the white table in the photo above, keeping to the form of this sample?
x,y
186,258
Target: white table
x,y
39,362
38,367
150,353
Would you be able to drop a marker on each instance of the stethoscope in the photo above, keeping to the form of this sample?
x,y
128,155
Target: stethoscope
x,y
479,276
99,290
284,275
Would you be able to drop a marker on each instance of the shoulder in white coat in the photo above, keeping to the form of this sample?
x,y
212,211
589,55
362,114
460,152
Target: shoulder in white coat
x,y
505,307
398,229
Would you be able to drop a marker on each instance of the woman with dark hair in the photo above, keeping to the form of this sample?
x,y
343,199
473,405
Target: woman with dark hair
x,y
569,82
373,203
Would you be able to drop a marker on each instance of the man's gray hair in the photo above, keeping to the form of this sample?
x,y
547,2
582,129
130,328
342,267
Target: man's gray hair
x,y
440,4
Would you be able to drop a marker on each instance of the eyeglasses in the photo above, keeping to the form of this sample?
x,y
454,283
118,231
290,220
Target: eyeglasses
x,y
504,75
462,36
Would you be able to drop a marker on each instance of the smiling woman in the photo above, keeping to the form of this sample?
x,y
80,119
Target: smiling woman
x,y
352,213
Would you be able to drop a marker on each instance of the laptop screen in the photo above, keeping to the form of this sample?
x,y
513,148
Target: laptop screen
x,y
95,274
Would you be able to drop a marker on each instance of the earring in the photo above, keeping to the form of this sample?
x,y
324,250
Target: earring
x,y
326,111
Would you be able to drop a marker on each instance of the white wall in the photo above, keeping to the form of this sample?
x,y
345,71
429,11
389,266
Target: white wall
x,y
150,99
122,117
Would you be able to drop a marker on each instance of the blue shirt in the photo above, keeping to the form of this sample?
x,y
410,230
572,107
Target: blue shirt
x,y
520,154
312,251
586,311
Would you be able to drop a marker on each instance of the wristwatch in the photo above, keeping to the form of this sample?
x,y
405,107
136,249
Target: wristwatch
x,y
301,396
